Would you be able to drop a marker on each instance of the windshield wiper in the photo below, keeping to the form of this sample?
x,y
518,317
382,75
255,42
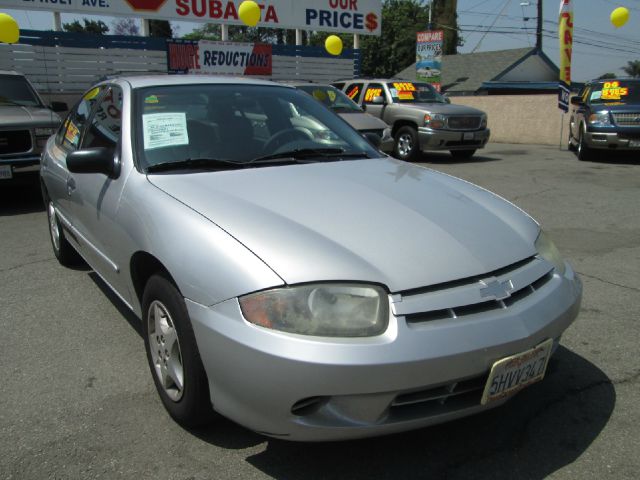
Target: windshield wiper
x,y
309,154
195,164
6,101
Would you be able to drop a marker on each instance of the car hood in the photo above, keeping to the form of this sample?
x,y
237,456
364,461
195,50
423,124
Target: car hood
x,y
445,108
380,220
27,116
363,121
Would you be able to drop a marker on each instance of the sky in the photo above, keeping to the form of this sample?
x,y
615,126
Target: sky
x,y
497,25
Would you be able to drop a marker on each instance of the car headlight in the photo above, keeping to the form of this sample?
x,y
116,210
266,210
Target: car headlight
x,y
547,250
483,121
386,133
44,131
600,118
434,120
325,310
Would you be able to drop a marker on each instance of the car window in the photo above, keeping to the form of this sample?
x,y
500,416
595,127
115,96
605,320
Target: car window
x,y
339,85
331,97
373,90
243,122
414,92
15,90
71,130
104,129
353,91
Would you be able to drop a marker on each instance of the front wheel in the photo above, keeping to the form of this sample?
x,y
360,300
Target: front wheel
x,y
407,146
462,154
62,249
173,354
584,153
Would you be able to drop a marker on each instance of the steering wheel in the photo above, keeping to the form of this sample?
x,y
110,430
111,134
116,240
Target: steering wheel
x,y
284,136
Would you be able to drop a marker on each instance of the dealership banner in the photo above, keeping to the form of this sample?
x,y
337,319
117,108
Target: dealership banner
x,y
565,36
429,57
226,58
347,16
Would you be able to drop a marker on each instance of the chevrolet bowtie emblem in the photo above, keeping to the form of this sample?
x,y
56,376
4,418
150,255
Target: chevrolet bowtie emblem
x,y
496,289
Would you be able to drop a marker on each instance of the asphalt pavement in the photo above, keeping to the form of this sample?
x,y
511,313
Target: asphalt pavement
x,y
77,400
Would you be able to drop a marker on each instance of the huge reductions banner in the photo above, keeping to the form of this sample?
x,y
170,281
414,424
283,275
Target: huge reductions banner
x,y
227,58
565,35
429,57
348,16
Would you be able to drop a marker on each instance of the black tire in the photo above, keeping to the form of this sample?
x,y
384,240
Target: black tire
x,y
462,154
571,147
164,306
66,255
583,151
407,146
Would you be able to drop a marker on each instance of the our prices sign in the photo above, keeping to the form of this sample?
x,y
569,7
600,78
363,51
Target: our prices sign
x,y
226,58
429,57
347,16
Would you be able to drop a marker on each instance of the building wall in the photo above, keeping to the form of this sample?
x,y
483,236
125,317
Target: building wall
x,y
522,118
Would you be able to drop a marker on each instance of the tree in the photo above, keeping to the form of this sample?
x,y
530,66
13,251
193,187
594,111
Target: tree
x,y
125,26
607,75
90,26
632,69
210,31
160,28
445,17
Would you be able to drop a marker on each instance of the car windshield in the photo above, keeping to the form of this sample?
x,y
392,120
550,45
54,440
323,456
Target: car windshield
x,y
229,124
414,92
331,97
15,90
615,92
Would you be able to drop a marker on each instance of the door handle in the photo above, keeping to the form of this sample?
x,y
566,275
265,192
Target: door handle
x,y
71,185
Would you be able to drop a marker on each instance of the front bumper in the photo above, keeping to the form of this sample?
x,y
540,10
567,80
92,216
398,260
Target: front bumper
x,y
16,165
612,140
452,140
313,389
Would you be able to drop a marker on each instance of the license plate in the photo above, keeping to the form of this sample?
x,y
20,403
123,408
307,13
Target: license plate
x,y
634,143
467,136
5,172
512,374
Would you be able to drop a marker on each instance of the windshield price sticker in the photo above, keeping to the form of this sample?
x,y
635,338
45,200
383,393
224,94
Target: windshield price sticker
x,y
405,95
164,130
512,374
371,93
613,91
404,87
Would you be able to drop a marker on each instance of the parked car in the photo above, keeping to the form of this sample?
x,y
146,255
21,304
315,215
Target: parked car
x,y
25,124
306,290
351,112
421,118
605,117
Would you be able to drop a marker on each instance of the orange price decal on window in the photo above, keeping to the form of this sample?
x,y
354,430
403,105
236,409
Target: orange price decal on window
x,y
613,91
371,93
404,87
405,95
353,92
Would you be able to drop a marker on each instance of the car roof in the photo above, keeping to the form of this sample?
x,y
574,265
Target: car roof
x,y
11,72
142,81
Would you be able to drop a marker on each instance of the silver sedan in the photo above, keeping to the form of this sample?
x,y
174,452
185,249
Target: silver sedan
x,y
299,282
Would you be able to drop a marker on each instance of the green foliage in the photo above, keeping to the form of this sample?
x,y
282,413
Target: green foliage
x,y
632,69
607,75
90,26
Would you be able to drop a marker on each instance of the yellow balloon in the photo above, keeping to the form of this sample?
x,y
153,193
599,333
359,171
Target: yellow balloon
x,y
619,17
249,13
9,31
333,44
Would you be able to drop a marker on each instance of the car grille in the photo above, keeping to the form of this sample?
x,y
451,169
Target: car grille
x,y
15,141
627,119
492,292
463,122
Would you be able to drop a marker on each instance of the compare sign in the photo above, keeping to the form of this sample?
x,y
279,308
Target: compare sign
x,y
347,16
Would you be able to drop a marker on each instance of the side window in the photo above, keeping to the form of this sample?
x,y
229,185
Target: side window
x,y
338,85
586,93
74,124
353,91
373,90
104,129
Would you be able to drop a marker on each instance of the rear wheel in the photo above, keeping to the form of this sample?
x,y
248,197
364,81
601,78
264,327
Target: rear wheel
x,y
407,146
173,354
462,154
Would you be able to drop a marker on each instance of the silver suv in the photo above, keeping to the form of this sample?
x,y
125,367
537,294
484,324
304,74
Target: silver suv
x,y
25,124
421,118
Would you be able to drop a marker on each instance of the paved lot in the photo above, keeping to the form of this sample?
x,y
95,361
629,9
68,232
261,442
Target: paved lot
x,y
77,399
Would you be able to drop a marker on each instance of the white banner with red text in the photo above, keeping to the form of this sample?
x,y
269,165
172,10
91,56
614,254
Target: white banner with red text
x,y
225,58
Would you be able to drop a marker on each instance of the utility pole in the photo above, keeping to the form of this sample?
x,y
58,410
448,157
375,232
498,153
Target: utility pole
x,y
539,27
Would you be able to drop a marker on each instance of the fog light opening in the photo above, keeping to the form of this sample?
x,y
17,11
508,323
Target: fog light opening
x,y
308,406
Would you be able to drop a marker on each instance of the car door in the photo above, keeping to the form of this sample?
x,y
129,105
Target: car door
x,y
95,197
578,113
371,91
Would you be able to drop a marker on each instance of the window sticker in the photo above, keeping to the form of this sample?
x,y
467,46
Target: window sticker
x,y
91,94
332,95
404,87
353,93
319,95
595,95
372,92
394,92
613,91
405,95
72,134
164,130
151,99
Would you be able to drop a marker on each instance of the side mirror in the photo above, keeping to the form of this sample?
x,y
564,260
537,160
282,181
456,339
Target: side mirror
x,y
378,100
577,100
373,138
59,106
93,160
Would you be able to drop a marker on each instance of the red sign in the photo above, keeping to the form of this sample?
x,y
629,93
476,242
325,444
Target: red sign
x,y
146,5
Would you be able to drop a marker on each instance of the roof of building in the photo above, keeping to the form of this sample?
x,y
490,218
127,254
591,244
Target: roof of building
x,y
466,72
